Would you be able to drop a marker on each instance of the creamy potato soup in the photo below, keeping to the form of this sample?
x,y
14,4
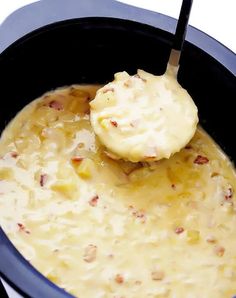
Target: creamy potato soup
x,y
105,228
144,117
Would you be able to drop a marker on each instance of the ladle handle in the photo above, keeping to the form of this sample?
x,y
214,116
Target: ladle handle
x,y
180,32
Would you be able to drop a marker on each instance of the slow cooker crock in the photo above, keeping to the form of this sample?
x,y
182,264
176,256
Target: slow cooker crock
x,y
91,50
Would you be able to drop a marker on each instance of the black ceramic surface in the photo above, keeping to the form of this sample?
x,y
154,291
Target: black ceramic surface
x,y
90,50
3,292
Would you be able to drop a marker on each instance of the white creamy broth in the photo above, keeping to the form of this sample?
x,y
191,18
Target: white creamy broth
x,y
100,227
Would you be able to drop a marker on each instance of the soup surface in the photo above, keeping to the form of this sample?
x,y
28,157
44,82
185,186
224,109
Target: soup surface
x,y
104,228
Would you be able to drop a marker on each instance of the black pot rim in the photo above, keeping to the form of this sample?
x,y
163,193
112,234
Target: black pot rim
x,y
11,29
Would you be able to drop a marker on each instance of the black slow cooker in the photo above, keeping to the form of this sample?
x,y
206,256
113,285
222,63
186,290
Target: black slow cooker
x,y
106,37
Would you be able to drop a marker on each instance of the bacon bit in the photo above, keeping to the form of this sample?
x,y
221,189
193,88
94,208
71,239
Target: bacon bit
x,y
114,123
219,250
14,154
56,105
138,77
229,194
140,214
211,239
200,160
179,230
188,147
90,253
119,278
76,159
93,202
22,228
108,90
43,179
158,275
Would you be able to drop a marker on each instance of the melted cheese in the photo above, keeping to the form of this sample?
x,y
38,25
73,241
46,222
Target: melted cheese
x,y
104,228
144,117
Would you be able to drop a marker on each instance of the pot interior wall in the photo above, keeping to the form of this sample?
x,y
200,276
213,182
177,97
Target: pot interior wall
x,y
91,50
